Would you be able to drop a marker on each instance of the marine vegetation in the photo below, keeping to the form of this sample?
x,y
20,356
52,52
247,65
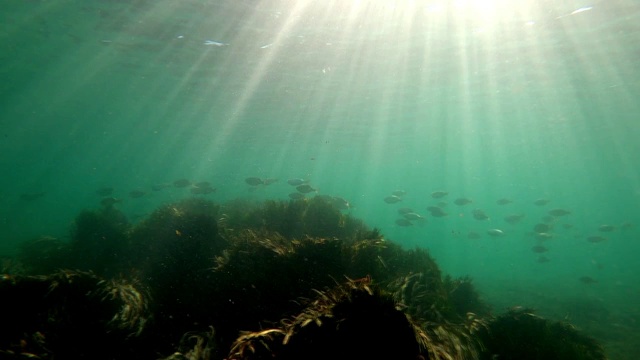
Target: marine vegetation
x,y
70,315
520,334
349,321
44,255
315,217
241,280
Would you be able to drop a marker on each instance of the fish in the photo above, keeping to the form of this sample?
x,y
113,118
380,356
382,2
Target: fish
x,y
403,222
297,182
196,190
513,218
627,225
437,211
104,191
606,228
109,201
473,235
596,239
31,196
439,194
541,228
202,184
559,212
541,202
480,215
462,201
539,249
542,259
269,181
214,43
587,280
254,181
340,203
399,193
413,216
181,183
305,188
544,236
495,232
296,196
392,199
405,210
135,194
158,187
504,201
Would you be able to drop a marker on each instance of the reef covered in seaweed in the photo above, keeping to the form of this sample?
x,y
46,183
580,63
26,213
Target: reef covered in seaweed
x,y
240,280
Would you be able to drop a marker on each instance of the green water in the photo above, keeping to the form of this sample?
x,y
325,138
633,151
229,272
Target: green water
x,y
519,100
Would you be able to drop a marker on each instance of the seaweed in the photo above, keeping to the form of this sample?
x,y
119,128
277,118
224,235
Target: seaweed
x,y
520,334
70,314
279,279
99,242
44,255
173,251
349,321
465,298
314,217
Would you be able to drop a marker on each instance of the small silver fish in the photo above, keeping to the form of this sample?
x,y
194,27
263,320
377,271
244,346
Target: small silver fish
x,y
413,216
214,43
495,232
